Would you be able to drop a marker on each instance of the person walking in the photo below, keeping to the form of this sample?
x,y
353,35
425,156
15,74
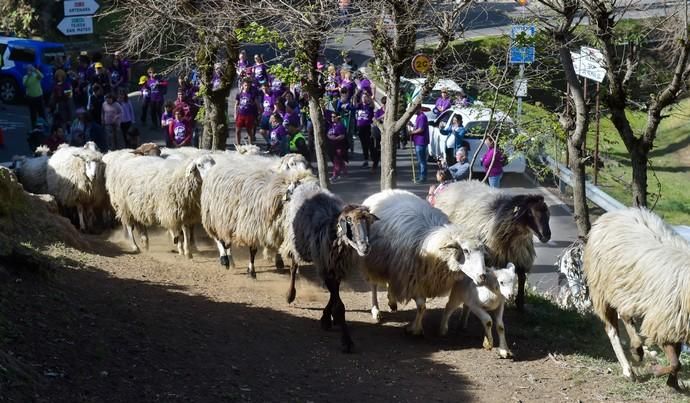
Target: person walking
x,y
364,115
338,144
493,163
420,139
246,110
34,93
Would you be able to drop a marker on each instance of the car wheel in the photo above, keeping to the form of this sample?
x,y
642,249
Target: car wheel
x,y
9,90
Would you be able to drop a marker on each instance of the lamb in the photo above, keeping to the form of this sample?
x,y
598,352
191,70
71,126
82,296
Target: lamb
x,y
31,172
321,229
149,190
637,269
75,177
417,251
245,205
505,224
492,296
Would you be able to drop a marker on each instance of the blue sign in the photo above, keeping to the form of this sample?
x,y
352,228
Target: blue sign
x,y
522,55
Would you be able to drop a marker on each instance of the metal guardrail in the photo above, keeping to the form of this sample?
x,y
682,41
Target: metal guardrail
x,y
594,194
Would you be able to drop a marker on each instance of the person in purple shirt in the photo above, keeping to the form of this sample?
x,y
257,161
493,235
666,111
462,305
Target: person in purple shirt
x,y
268,102
338,146
443,103
279,136
420,139
492,161
246,110
259,70
241,66
278,87
155,90
364,115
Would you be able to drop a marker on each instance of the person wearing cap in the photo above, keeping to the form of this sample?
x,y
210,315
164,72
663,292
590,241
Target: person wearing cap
x,y
145,98
443,102
34,93
101,77
298,143
338,145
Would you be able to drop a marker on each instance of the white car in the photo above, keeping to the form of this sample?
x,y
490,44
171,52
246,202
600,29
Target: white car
x,y
475,120
413,87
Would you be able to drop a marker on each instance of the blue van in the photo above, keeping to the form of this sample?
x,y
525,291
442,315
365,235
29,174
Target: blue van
x,y
15,54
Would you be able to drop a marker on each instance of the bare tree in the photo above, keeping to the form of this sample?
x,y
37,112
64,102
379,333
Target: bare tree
x,y
560,18
671,36
393,29
306,25
187,35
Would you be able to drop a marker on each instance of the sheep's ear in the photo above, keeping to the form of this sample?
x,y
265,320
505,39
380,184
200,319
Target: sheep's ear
x,y
190,169
372,218
510,267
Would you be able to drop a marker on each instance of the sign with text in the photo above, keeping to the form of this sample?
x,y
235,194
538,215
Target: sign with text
x,y
520,87
522,54
76,25
421,64
589,66
80,7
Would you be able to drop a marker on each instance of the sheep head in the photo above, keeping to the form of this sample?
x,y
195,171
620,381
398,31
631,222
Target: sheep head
x,y
353,227
248,149
200,165
291,162
532,212
463,253
147,149
90,145
506,279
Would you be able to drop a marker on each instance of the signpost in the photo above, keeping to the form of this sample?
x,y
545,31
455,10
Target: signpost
x,y
80,7
78,17
521,55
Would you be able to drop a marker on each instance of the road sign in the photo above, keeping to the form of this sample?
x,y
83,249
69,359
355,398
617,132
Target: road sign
x,y
589,65
80,7
76,25
522,54
520,87
421,64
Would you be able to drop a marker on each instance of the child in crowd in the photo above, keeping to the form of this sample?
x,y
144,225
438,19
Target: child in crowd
x,y
338,144
279,136
167,118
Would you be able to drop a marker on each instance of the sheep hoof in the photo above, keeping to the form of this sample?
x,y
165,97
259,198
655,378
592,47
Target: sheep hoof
x,y
224,261
488,344
292,293
505,354
188,255
251,272
376,314
135,249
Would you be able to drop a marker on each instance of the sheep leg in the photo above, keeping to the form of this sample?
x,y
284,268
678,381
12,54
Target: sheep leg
x,y
280,265
415,328
292,292
130,235
454,301
144,236
503,350
485,318
338,313
636,349
192,240
392,303
82,221
672,351
186,236
611,324
326,321
520,298
465,316
375,312
252,254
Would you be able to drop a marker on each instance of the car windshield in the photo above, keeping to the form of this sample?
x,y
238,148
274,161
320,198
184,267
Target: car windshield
x,y
476,129
51,54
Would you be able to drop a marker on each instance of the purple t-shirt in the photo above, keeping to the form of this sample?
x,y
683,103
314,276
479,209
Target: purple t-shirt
x,y
379,113
155,90
363,115
166,118
245,104
277,87
332,84
268,101
260,72
179,131
421,122
365,86
291,118
442,104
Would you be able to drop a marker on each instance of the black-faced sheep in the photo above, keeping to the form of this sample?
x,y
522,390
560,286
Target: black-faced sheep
x,y
146,191
321,229
417,252
76,177
504,222
245,205
637,269
490,297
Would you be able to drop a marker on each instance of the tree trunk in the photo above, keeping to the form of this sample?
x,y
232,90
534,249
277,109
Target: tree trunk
x,y
639,160
317,121
215,135
577,166
388,133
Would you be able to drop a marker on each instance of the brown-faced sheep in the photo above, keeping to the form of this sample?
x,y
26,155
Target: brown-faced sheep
x,y
504,222
637,269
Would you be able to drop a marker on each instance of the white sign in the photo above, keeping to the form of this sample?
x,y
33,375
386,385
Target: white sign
x,y
80,7
594,55
588,67
76,25
520,87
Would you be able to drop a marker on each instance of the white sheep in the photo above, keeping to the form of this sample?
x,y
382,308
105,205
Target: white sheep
x,y
321,229
492,296
245,205
147,190
31,171
417,252
75,176
637,269
505,224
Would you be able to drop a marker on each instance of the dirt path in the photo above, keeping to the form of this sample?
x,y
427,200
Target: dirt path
x,y
156,327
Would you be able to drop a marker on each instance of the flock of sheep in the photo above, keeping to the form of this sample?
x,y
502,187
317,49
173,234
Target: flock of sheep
x,y
476,245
